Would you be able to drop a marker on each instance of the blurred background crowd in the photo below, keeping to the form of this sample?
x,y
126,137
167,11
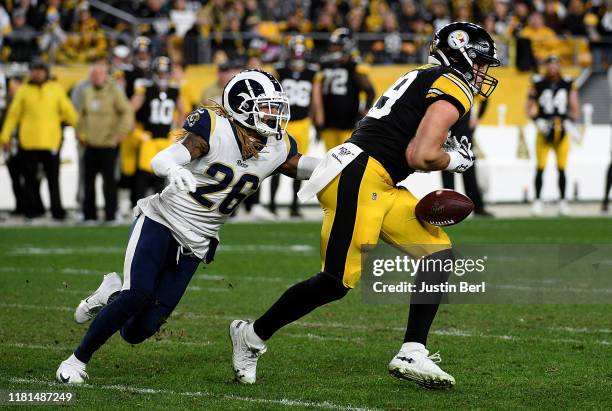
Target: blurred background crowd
x,y
135,54
386,31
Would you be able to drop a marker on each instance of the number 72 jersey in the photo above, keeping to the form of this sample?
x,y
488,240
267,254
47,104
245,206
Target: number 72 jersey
x,y
384,133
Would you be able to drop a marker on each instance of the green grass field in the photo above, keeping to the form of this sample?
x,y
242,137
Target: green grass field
x,y
502,356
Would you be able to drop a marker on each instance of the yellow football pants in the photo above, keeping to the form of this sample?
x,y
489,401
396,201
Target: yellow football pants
x,y
362,205
300,131
561,147
333,137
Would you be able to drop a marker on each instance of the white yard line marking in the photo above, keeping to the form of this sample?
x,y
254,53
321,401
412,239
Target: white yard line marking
x,y
30,251
238,277
243,248
582,330
74,271
276,248
85,293
311,336
99,273
36,346
202,394
449,332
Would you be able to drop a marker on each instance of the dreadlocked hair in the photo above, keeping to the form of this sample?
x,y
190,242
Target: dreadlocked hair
x,y
249,145
178,135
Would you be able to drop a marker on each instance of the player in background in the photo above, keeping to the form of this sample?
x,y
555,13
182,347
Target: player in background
x,y
297,77
466,126
137,71
553,105
226,69
141,64
606,198
222,155
342,78
155,102
10,80
254,61
406,130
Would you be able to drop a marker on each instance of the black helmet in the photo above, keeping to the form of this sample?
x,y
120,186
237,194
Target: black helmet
x,y
342,36
141,44
462,46
342,43
141,52
297,52
161,68
297,47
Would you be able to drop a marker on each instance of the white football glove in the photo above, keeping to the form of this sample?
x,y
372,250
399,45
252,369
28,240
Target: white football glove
x,y
544,126
460,153
572,130
182,179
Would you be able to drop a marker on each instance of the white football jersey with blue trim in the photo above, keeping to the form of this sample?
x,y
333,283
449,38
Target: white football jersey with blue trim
x,y
224,179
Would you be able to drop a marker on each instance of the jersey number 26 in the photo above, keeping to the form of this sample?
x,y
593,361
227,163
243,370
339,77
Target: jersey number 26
x,y
224,176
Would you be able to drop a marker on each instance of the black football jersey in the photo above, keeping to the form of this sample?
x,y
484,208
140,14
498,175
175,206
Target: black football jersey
x,y
384,133
552,97
131,76
298,87
340,94
157,112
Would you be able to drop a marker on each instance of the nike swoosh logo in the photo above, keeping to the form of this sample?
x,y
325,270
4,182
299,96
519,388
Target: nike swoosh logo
x,y
64,379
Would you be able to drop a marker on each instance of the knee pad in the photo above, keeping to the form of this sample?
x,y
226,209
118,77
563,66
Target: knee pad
x,y
330,287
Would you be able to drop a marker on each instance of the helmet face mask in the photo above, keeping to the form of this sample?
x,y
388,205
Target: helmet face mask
x,y
341,44
297,52
271,115
469,49
161,69
256,100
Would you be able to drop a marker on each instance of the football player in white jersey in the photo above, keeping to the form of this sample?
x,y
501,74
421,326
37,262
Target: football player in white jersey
x,y
222,155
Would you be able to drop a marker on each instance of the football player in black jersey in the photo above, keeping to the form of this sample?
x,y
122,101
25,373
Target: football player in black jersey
x,y
136,72
406,130
553,105
297,77
155,102
342,77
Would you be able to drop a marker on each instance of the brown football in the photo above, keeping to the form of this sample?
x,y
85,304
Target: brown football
x,y
444,207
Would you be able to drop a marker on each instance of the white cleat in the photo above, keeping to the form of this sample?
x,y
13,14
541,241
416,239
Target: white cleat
x,y
71,371
414,363
564,209
244,355
261,213
89,307
537,209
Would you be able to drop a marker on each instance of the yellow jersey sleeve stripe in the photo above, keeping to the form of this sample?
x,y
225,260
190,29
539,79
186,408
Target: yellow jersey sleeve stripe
x,y
461,84
213,120
286,141
362,69
450,88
